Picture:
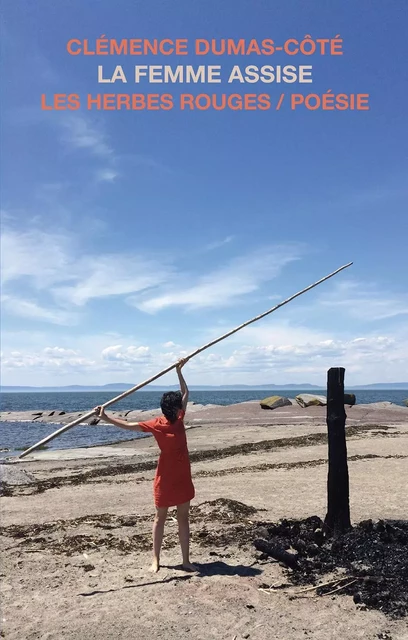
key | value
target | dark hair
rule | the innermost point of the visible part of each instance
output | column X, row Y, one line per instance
column 170, row 404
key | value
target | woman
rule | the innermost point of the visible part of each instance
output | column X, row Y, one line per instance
column 172, row 485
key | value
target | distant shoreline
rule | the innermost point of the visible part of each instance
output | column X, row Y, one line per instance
column 396, row 386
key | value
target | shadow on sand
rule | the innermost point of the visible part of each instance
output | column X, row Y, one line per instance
column 204, row 569
column 219, row 568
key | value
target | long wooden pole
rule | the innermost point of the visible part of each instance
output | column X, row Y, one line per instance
column 173, row 366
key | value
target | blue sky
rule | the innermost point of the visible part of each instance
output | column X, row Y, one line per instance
column 131, row 238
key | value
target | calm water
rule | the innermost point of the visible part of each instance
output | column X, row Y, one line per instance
column 19, row 435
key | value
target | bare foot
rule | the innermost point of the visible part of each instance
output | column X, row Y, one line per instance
column 155, row 566
column 188, row 566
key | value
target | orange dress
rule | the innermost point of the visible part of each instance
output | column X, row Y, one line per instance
column 172, row 483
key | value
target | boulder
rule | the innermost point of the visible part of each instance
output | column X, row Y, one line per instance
column 309, row 400
column 349, row 399
column 406, row 402
column 273, row 402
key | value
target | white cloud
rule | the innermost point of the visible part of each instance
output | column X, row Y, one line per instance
column 285, row 358
column 226, row 285
column 60, row 352
column 131, row 354
column 366, row 359
column 52, row 360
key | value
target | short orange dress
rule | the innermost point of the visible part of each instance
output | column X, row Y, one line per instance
column 172, row 483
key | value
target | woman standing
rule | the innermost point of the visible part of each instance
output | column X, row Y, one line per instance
column 172, row 485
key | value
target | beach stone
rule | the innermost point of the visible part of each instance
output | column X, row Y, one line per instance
column 349, row 399
column 273, row 402
column 309, row 400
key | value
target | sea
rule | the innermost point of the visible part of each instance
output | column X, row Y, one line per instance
column 17, row 436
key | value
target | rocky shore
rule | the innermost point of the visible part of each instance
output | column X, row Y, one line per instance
column 211, row 413
column 76, row 528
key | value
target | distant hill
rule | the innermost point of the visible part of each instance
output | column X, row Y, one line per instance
column 122, row 386
column 388, row 386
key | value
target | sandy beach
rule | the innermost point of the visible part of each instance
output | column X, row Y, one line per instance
column 76, row 529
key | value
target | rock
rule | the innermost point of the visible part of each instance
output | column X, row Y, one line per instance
column 373, row 406
column 273, row 402
column 349, row 399
column 309, row 400
column 406, row 402
column 88, row 567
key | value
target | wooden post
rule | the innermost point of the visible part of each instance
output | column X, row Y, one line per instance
column 337, row 519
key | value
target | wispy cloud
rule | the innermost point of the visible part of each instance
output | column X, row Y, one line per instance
column 226, row 285
column 40, row 256
column 49, row 266
column 79, row 132
column 218, row 243
column 112, row 275
column 16, row 306
column 106, row 175
column 46, row 264
column 365, row 302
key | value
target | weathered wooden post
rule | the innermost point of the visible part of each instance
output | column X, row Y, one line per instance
column 337, row 519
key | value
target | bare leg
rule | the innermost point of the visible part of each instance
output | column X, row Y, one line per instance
column 184, row 535
column 158, row 530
